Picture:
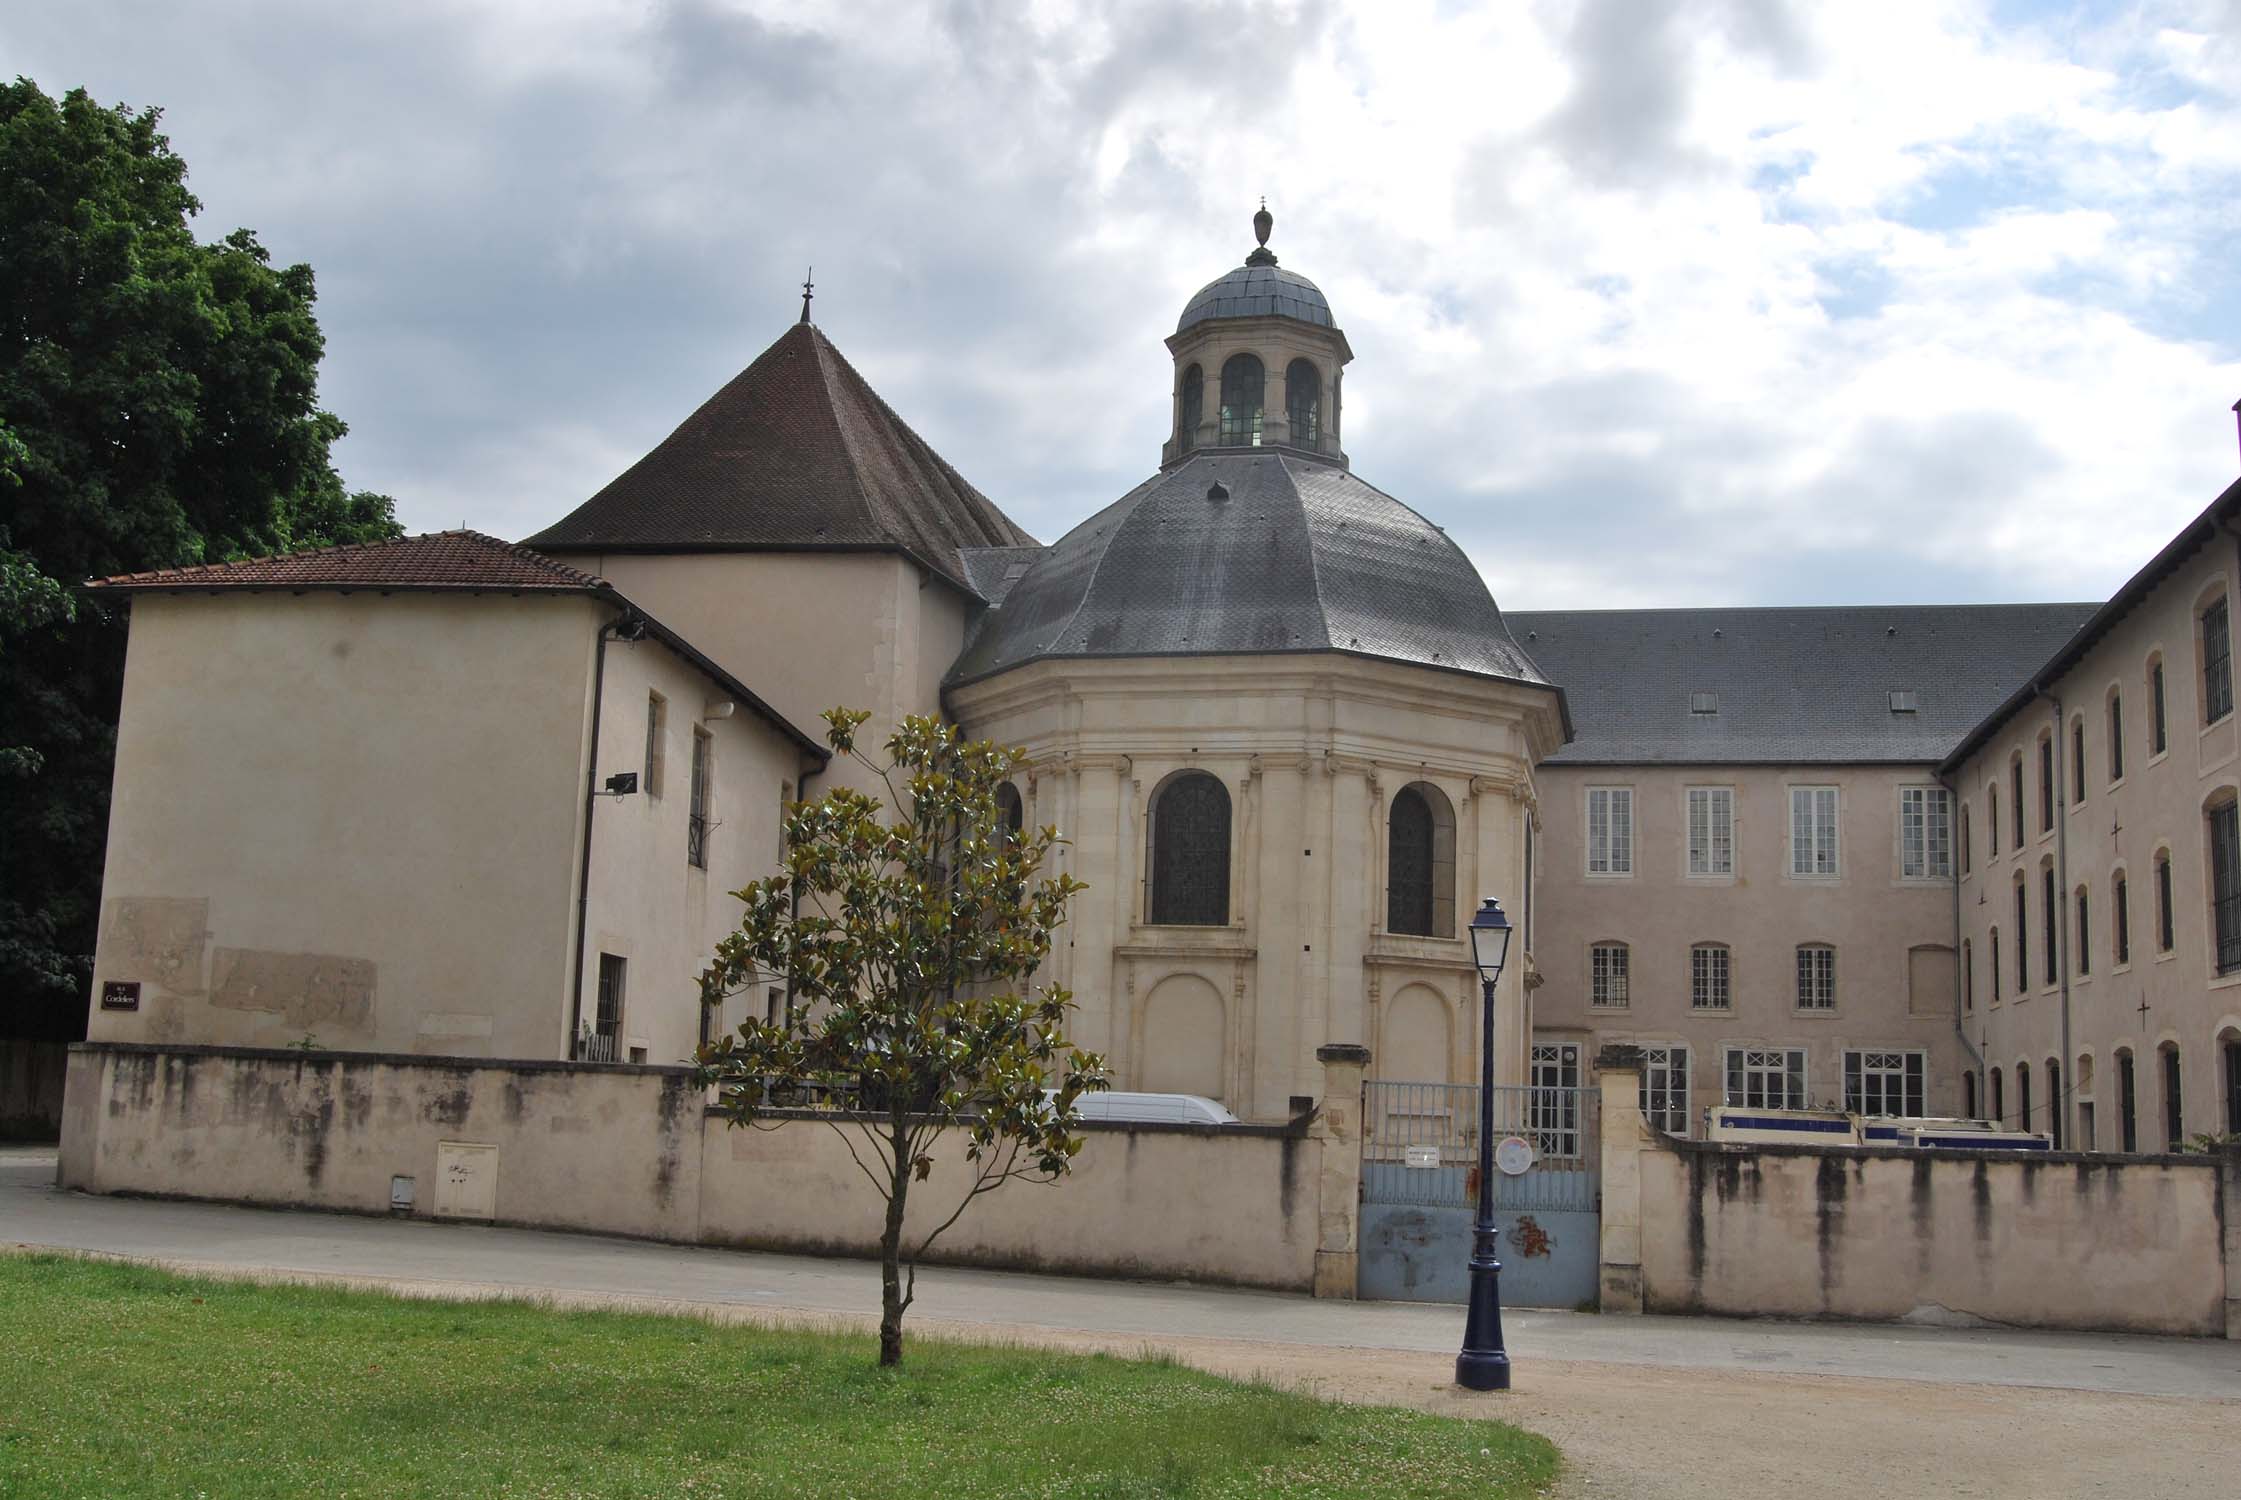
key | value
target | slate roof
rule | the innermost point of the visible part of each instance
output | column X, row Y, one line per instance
column 1299, row 556
column 454, row 562
column 796, row 453
column 1258, row 292
column 1794, row 686
column 437, row 560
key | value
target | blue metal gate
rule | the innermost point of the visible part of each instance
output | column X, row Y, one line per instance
column 1420, row 1193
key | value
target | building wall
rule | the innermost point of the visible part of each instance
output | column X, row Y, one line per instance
column 628, row 1150
column 1893, row 936
column 2157, row 1000
column 649, row 905
column 348, row 817
column 1312, row 751
column 808, row 630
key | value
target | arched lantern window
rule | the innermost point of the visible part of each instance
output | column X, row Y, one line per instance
column 1190, row 852
column 1244, row 385
column 1194, row 407
column 1303, row 402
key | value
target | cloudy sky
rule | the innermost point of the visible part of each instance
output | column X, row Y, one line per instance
column 1731, row 301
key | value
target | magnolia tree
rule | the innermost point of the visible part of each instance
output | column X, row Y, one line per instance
column 910, row 932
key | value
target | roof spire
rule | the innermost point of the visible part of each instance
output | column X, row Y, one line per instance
column 1263, row 222
column 808, row 290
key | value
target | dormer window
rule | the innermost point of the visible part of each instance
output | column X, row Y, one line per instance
column 1194, row 407
column 1905, row 701
column 1303, row 402
column 1244, row 385
column 1704, row 703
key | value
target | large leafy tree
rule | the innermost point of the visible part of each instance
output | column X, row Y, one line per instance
column 909, row 931
column 158, row 397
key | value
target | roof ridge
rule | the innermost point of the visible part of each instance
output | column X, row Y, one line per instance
column 819, row 347
column 1314, row 561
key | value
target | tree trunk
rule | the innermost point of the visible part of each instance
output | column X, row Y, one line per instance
column 891, row 1256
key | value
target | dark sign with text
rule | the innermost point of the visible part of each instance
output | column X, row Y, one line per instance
column 120, row 994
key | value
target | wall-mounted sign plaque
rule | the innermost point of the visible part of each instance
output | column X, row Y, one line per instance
column 120, row 994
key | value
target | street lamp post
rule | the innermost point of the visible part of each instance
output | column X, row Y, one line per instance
column 1484, row 1365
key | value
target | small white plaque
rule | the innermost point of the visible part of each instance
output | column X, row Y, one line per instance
column 1423, row 1156
column 1514, row 1156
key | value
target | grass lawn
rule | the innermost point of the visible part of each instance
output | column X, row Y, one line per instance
column 122, row 1381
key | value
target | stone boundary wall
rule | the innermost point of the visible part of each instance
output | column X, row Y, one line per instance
column 635, row 1150
column 2069, row 1240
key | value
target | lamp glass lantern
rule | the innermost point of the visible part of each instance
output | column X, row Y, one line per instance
column 1490, row 939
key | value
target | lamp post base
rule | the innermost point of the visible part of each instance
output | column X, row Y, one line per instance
column 1483, row 1372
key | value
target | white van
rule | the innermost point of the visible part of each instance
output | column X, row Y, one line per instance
column 1158, row 1109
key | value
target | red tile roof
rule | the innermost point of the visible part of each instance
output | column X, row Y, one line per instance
column 797, row 452
column 438, row 560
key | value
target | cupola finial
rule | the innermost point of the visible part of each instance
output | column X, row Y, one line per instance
column 1263, row 222
column 808, row 290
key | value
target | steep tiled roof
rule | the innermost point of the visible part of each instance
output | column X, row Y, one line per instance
column 1248, row 553
column 435, row 560
column 797, row 452
column 1791, row 685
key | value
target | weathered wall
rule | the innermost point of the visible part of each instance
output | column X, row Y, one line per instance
column 2062, row 1241
column 631, row 1150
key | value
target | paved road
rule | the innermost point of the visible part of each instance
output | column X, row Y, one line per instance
column 33, row 1212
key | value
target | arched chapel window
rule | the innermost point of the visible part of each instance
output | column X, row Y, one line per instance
column 1194, row 406
column 1303, row 402
column 1190, row 852
column 1420, row 863
column 1011, row 811
column 1244, row 386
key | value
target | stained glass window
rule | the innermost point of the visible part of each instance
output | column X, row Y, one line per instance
column 1190, row 852
column 1408, row 904
column 1244, row 386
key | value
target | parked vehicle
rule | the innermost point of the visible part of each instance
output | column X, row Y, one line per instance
column 1153, row 1109
column 1834, row 1127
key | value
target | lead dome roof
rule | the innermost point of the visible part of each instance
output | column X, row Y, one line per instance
column 1299, row 556
column 1258, row 291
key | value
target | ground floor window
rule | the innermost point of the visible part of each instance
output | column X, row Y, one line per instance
column 2174, row 1111
column 1553, row 1106
column 1766, row 1077
column 1665, row 1088
column 2128, row 1104
column 1884, row 1083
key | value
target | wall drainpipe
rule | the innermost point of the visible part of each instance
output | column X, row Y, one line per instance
column 801, row 794
column 626, row 628
column 1960, row 974
column 2062, row 916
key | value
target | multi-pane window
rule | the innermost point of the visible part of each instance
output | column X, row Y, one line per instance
column 1190, row 852
column 1244, row 387
column 1608, row 966
column 2164, row 937
column 1303, row 402
column 1884, row 1083
column 2084, row 934
column 2050, row 937
column 1766, row 1077
column 1610, row 830
column 1665, row 1089
column 2217, row 664
column 657, row 721
column 1925, row 833
column 1711, row 830
column 2159, row 721
column 2015, row 790
column 696, row 820
column 2225, row 884
column 2046, row 785
column 2128, row 1104
column 1553, row 1105
column 1194, row 407
column 2174, row 1112
column 2121, row 916
column 1813, row 831
column 2077, row 760
column 1816, row 977
column 2116, row 736
column 1408, row 848
column 1708, row 977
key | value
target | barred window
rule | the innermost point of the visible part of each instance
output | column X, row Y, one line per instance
column 1608, row 971
column 696, row 820
column 1711, row 830
column 2159, row 723
column 1708, row 977
column 2217, row 664
column 1884, row 1083
column 2164, row 937
column 2116, row 736
column 1665, row 1089
column 2225, row 884
column 1553, row 1104
column 1816, row 977
column 1766, row 1078
column 1244, row 387
column 1303, row 402
column 1610, row 830
column 2084, row 933
column 1925, row 833
column 1813, row 831
column 2015, row 788
column 1194, row 407
column 1190, row 852
column 2121, row 915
